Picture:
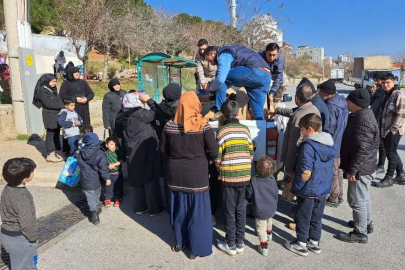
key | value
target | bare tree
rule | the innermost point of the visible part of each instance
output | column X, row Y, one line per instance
column 400, row 59
column 83, row 21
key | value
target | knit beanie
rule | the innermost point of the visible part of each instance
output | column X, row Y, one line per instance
column 306, row 81
column 360, row 97
column 328, row 87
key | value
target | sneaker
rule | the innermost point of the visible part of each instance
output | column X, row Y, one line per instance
column 400, row 179
column 332, row 203
column 223, row 246
column 292, row 226
column 117, row 203
column 58, row 154
column 52, row 158
column 140, row 212
column 380, row 170
column 314, row 247
column 340, row 200
column 152, row 215
column 386, row 182
column 95, row 218
column 353, row 237
column 107, row 203
column 269, row 235
column 263, row 249
column 240, row 248
column 370, row 227
column 295, row 247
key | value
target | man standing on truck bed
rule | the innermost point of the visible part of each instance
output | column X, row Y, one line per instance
column 205, row 71
column 275, row 60
column 239, row 66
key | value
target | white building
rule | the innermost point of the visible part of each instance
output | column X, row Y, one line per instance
column 315, row 55
column 265, row 30
column 344, row 58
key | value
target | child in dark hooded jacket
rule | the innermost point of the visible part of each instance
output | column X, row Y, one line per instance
column 93, row 166
column 311, row 184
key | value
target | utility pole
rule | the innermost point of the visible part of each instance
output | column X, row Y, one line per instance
column 233, row 13
column 11, row 17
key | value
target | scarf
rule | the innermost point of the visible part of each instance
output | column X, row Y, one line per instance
column 69, row 73
column 188, row 113
column 131, row 100
column 43, row 81
column 113, row 82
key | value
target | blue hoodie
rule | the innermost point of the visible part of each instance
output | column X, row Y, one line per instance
column 338, row 115
column 92, row 162
column 316, row 155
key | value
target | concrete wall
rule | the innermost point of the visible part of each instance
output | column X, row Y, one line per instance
column 7, row 120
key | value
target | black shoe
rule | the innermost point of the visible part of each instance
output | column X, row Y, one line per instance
column 95, row 219
column 332, row 204
column 386, row 182
column 380, row 169
column 353, row 237
column 340, row 200
column 400, row 179
column 370, row 227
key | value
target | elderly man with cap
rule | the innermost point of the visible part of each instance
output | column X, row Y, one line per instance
column 338, row 113
column 358, row 154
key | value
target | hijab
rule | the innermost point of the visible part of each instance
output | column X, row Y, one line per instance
column 43, row 81
column 69, row 73
column 172, row 92
column 131, row 100
column 113, row 82
column 188, row 113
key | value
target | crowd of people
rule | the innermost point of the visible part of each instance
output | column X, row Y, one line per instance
column 327, row 138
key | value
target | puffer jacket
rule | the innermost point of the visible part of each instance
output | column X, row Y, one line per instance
column 338, row 113
column 316, row 155
column 93, row 166
column 360, row 142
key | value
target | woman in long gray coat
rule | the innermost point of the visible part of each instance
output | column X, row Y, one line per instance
column 112, row 104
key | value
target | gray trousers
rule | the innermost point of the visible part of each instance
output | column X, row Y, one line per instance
column 262, row 226
column 93, row 198
column 23, row 255
column 359, row 200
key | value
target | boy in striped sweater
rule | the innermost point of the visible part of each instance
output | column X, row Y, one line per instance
column 234, row 163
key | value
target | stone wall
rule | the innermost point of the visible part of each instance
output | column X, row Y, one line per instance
column 7, row 120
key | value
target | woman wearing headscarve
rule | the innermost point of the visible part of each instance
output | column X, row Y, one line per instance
column 78, row 90
column 46, row 97
column 189, row 142
column 142, row 149
column 112, row 104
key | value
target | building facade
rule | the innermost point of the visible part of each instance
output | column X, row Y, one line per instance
column 315, row 55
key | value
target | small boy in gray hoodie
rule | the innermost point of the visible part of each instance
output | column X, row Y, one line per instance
column 70, row 121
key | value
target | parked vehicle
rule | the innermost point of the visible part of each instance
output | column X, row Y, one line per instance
column 337, row 74
column 365, row 67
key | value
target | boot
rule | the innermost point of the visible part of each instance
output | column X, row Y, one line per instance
column 386, row 182
column 95, row 218
column 52, row 158
column 400, row 179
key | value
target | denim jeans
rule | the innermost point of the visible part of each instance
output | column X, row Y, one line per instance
column 256, row 83
column 114, row 191
column 73, row 143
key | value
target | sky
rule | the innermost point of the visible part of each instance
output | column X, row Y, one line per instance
column 358, row 27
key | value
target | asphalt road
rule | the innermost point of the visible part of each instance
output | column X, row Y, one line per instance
column 126, row 241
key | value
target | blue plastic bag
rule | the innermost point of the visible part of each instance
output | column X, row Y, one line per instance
column 70, row 174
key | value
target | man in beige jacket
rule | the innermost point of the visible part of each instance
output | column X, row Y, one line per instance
column 205, row 72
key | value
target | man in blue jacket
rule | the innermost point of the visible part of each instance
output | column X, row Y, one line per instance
column 311, row 184
column 275, row 60
column 239, row 66
column 338, row 114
